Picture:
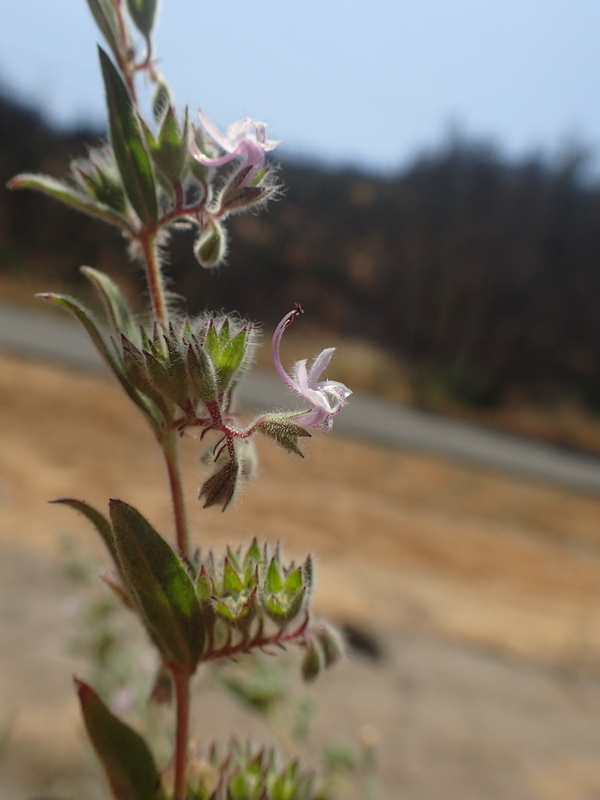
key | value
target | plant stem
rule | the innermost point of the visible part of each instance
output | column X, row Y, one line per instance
column 154, row 276
column 182, row 702
column 170, row 451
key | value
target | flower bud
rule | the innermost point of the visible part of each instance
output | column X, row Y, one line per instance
column 311, row 663
column 210, row 248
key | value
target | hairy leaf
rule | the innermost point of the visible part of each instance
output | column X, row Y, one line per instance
column 67, row 194
column 124, row 755
column 129, row 144
column 143, row 14
column 161, row 586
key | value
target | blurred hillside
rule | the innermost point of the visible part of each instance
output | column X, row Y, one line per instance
column 482, row 277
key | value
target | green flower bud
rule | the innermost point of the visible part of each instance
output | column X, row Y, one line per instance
column 210, row 247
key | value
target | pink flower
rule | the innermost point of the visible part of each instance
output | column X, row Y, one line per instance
column 244, row 138
column 325, row 397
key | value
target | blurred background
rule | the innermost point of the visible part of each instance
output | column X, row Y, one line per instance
column 442, row 185
column 441, row 227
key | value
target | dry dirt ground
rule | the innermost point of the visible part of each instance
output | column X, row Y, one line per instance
column 482, row 590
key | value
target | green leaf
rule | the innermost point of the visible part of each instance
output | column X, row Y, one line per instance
column 124, row 755
column 98, row 520
column 129, row 144
column 117, row 308
column 106, row 18
column 160, row 583
column 67, row 194
column 93, row 329
column 143, row 14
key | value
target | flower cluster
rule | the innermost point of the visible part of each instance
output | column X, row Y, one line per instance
column 246, row 772
column 211, row 609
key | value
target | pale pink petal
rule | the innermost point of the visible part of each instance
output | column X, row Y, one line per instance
column 325, row 397
column 214, row 133
column 320, row 363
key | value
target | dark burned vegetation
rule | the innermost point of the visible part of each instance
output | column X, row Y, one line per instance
column 482, row 276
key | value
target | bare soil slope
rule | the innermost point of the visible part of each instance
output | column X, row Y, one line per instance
column 483, row 590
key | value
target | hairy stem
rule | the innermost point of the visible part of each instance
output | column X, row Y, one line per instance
column 182, row 709
column 171, row 455
column 154, row 277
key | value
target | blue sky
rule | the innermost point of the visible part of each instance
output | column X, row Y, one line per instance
column 364, row 82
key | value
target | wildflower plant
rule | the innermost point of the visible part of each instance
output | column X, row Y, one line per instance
column 182, row 373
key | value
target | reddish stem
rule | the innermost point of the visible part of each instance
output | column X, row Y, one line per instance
column 169, row 448
column 260, row 641
column 181, row 684
column 154, row 277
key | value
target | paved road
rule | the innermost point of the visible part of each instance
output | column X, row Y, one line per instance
column 52, row 338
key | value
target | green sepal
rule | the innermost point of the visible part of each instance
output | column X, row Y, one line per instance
column 125, row 757
column 65, row 193
column 204, row 585
column 281, row 427
column 143, row 14
column 273, row 579
column 161, row 586
column 177, row 367
column 233, row 558
column 106, row 19
column 282, row 609
column 232, row 583
column 253, row 556
column 244, row 197
column 170, row 149
column 237, row 195
column 116, row 306
column 293, row 582
column 205, row 590
column 227, row 353
column 239, row 611
column 129, row 144
column 165, row 381
column 201, row 373
column 98, row 520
